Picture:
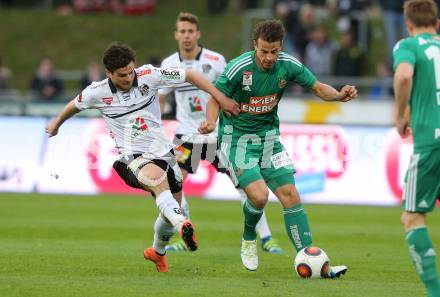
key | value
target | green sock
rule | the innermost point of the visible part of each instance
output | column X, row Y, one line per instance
column 252, row 216
column 423, row 256
column 297, row 226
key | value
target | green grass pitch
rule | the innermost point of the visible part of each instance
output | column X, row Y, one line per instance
column 54, row 245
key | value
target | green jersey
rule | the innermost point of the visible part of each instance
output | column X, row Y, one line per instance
column 423, row 53
column 258, row 92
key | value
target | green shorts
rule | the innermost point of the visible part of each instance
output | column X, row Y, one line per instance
column 422, row 182
column 250, row 158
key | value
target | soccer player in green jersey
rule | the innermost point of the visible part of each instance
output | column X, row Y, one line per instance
column 250, row 142
column 417, row 92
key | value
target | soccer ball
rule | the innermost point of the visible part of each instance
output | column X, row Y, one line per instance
column 312, row 262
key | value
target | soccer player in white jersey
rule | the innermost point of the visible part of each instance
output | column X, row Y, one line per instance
column 129, row 104
column 191, row 146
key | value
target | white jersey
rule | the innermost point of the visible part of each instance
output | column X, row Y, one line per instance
column 133, row 117
column 191, row 102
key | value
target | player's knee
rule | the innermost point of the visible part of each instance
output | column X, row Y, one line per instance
column 259, row 198
column 289, row 193
column 412, row 220
column 153, row 180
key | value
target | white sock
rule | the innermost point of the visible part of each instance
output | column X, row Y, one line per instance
column 163, row 231
column 262, row 227
column 184, row 206
column 169, row 208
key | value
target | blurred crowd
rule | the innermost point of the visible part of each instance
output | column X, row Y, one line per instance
column 338, row 50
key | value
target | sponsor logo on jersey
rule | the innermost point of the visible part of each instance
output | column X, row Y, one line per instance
column 194, row 104
column 171, row 74
column 247, row 78
column 107, row 100
column 143, row 89
column 144, row 72
column 211, row 57
column 206, row 68
column 246, row 88
column 259, row 105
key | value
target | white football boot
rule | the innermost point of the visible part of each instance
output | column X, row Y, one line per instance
column 249, row 256
column 337, row 271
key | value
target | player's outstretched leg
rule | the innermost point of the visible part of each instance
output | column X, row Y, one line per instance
column 179, row 245
column 424, row 258
column 159, row 259
column 163, row 231
column 249, row 256
column 188, row 235
column 268, row 243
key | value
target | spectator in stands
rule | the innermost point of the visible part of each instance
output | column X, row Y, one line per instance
column 348, row 58
column 137, row 7
column 217, row 6
column 85, row 6
column 394, row 22
column 5, row 75
column 299, row 19
column 6, row 3
column 93, row 73
column 383, row 88
column 45, row 84
column 319, row 52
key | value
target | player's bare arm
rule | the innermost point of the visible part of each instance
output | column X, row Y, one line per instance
column 403, row 80
column 69, row 110
column 227, row 104
column 212, row 111
column 328, row 93
column 162, row 101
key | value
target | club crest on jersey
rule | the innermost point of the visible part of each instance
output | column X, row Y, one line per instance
column 195, row 104
column 107, row 100
column 206, row 68
column 282, row 83
column 139, row 124
column 247, row 78
column 143, row 89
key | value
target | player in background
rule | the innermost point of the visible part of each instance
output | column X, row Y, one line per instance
column 191, row 146
column 417, row 93
column 129, row 104
column 250, row 142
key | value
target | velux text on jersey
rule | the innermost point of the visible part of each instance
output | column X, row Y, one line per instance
column 259, row 105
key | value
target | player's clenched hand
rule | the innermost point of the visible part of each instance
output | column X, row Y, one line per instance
column 402, row 126
column 229, row 106
column 347, row 93
column 52, row 128
column 206, row 127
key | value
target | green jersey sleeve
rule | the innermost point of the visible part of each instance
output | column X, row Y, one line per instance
column 227, row 82
column 403, row 53
column 226, row 85
column 297, row 72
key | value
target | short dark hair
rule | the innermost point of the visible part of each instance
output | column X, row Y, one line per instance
column 269, row 30
column 117, row 56
column 422, row 13
column 188, row 17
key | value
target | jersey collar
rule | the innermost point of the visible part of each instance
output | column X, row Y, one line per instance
column 197, row 57
column 113, row 88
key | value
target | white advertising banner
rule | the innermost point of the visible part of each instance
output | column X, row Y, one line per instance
column 335, row 164
column 20, row 153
